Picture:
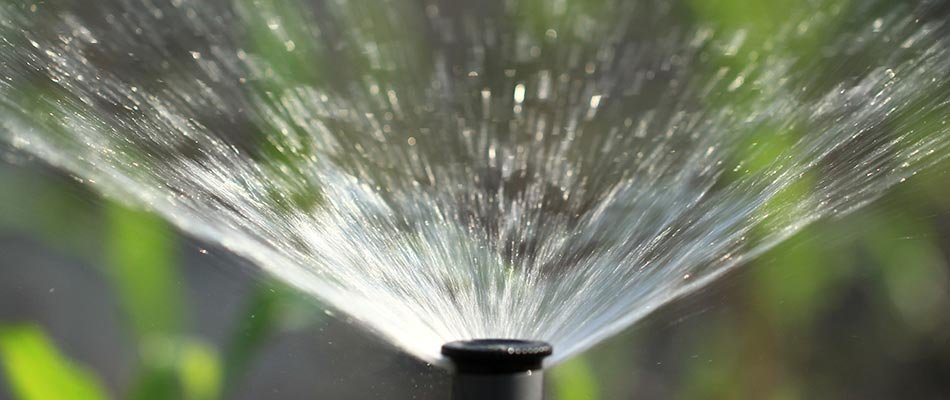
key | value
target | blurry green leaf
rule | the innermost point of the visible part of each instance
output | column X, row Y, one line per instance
column 619, row 362
column 157, row 377
column 49, row 207
column 271, row 307
column 757, row 31
column 764, row 157
column 918, row 120
column 714, row 369
column 575, row 380
column 795, row 281
column 258, row 322
column 763, row 19
column 36, row 371
column 177, row 368
column 155, row 383
column 262, row 315
column 279, row 33
column 766, row 23
column 141, row 250
column 762, row 150
column 913, row 269
column 200, row 371
column 786, row 391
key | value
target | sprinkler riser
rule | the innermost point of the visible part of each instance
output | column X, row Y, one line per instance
column 517, row 386
column 497, row 369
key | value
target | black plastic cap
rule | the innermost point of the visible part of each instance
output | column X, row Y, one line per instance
column 496, row 356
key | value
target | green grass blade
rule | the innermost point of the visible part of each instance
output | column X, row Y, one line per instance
column 141, row 251
column 35, row 369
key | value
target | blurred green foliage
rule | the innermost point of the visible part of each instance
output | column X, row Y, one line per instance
column 141, row 257
column 200, row 372
column 142, row 263
column 37, row 371
column 575, row 380
column 258, row 320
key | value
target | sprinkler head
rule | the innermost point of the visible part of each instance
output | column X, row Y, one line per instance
column 496, row 356
column 499, row 369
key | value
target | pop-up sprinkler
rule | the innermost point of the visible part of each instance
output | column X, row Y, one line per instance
column 497, row 369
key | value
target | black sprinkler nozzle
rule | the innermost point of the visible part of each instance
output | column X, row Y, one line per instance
column 500, row 369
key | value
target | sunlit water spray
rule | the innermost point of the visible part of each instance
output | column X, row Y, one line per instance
column 453, row 170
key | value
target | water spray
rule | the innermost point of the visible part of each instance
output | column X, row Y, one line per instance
column 534, row 197
column 498, row 369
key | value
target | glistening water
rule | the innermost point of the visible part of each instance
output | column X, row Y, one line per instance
column 442, row 170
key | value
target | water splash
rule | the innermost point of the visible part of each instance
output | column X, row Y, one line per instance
column 444, row 170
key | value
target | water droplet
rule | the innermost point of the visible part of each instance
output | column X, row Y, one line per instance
column 519, row 93
column 595, row 101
